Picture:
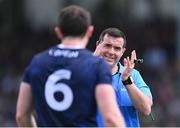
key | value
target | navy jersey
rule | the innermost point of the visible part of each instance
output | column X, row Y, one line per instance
column 63, row 85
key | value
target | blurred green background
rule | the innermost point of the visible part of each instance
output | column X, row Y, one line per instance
column 152, row 28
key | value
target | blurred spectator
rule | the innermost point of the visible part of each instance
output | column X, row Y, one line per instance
column 10, row 82
column 155, row 58
column 174, row 108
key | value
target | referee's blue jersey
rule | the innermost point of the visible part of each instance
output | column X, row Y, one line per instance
column 63, row 85
column 125, row 104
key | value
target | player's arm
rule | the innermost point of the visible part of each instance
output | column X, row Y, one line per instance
column 24, row 110
column 108, row 107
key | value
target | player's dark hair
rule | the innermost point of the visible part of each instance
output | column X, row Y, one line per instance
column 114, row 32
column 74, row 21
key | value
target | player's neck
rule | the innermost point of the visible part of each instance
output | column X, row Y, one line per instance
column 72, row 42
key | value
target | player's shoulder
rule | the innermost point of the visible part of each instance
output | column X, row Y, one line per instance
column 90, row 56
column 40, row 57
column 99, row 60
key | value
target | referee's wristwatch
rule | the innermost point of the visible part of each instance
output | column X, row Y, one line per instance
column 128, row 81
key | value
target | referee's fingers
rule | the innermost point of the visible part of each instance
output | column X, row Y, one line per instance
column 133, row 55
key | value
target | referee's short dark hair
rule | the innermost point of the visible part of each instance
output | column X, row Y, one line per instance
column 114, row 32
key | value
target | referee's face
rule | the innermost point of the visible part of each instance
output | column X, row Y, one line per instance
column 111, row 49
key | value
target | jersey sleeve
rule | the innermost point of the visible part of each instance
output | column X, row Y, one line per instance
column 26, row 76
column 138, row 80
column 104, row 73
column 28, row 72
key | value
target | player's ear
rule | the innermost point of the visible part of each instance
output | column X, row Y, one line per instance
column 89, row 31
column 58, row 32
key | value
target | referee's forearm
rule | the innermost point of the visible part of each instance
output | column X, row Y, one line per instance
column 141, row 102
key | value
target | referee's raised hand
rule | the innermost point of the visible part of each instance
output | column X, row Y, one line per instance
column 129, row 65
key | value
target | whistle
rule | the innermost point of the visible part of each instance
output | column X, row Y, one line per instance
column 138, row 61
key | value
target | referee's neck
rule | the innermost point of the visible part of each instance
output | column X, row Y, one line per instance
column 115, row 69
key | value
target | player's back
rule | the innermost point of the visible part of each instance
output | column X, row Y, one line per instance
column 63, row 85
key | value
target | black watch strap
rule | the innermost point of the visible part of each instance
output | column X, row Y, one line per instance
column 129, row 81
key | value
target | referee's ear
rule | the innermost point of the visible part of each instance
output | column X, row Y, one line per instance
column 97, row 43
column 58, row 32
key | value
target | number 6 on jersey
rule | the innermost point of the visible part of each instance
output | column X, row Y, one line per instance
column 51, row 87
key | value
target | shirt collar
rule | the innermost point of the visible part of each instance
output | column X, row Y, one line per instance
column 121, row 68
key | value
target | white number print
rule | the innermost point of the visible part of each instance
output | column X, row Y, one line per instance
column 51, row 87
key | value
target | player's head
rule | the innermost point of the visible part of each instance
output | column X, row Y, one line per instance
column 111, row 45
column 74, row 21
